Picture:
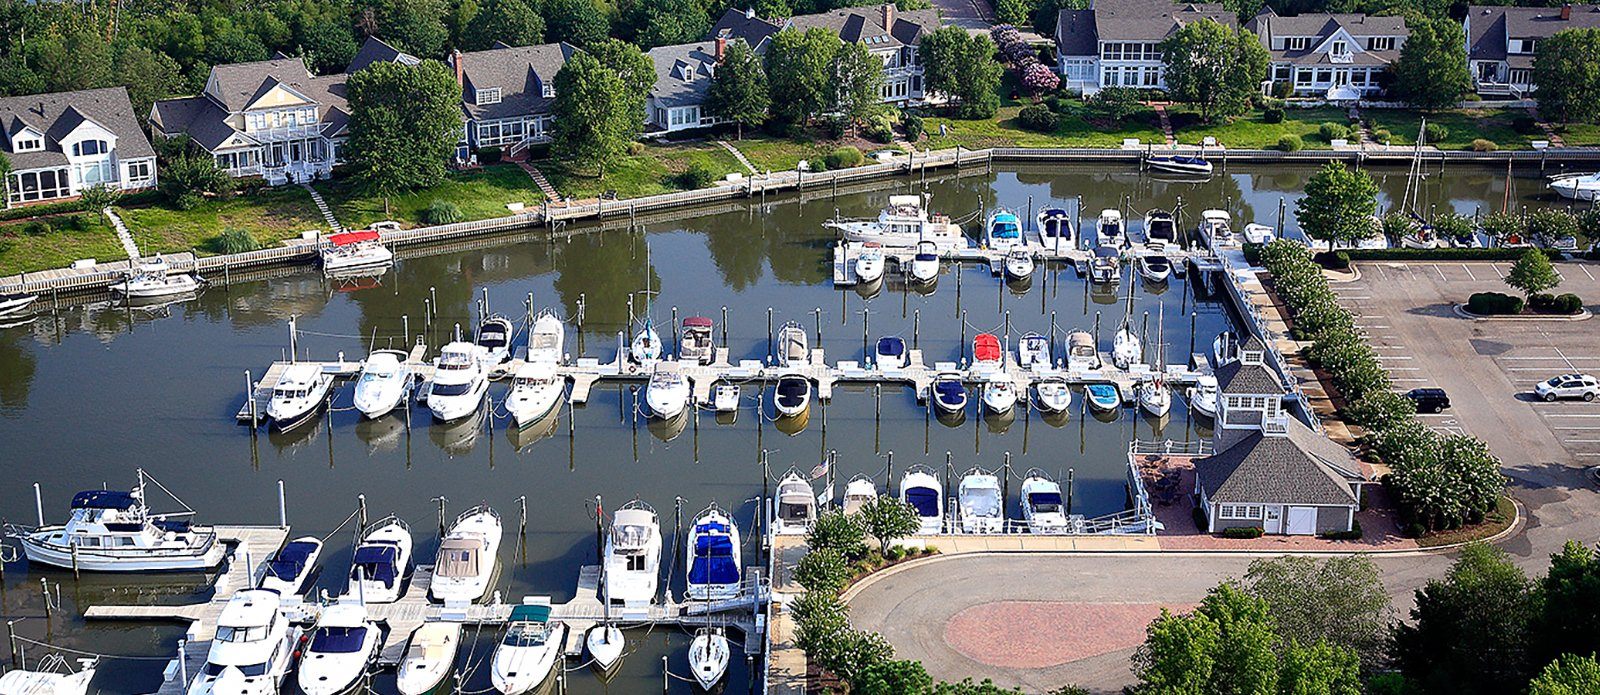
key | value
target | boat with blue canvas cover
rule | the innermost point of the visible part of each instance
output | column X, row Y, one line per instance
column 1003, row 230
column 921, row 489
column 1104, row 397
column 343, row 645
column 949, row 394
column 291, row 568
column 1181, row 164
column 1055, row 228
column 378, row 570
column 891, row 352
column 714, row 568
column 115, row 531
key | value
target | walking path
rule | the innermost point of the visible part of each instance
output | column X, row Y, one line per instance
column 1549, row 130
column 322, row 206
column 738, row 155
column 1166, row 124
column 539, row 180
column 123, row 235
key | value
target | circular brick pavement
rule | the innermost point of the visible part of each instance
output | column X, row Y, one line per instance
column 1041, row 634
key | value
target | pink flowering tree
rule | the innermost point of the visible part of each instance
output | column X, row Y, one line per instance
column 1039, row 78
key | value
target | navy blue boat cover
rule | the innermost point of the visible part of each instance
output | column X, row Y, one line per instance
column 103, row 499
column 924, row 500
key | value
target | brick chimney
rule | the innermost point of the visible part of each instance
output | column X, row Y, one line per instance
column 722, row 48
column 455, row 57
column 1566, row 11
column 888, row 16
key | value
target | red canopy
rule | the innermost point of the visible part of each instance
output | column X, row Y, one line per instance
column 348, row 238
column 697, row 322
column 986, row 348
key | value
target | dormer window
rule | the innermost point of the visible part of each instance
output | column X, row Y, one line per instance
column 1297, row 43
column 1339, row 48
column 487, row 96
column 27, row 143
column 1380, row 43
column 549, row 91
column 1520, row 46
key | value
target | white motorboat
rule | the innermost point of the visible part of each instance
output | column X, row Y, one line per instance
column 1082, row 354
column 632, row 555
column 1180, row 164
column 604, row 642
column 858, row 492
column 291, row 568
column 709, row 654
column 494, row 340
column 529, row 652
column 154, row 279
column 1055, row 228
column 16, row 303
column 869, row 262
column 1053, row 395
column 1155, row 268
column 920, row 489
column 1041, row 503
column 646, row 345
column 925, row 263
column 460, row 382
column 890, row 353
column 1019, row 263
column 697, row 344
column 987, row 355
column 1422, row 237
column 298, row 396
column 1110, row 230
column 1105, row 266
column 1216, row 229
column 793, row 347
column 725, row 397
column 792, row 395
column 667, row 394
column 535, row 391
column 714, row 566
column 378, row 569
column 980, row 502
column 797, row 505
column 1224, row 349
column 1160, row 231
column 114, row 531
column 1154, row 397
column 1002, row 231
column 1583, row 187
column 430, row 657
column 385, row 383
column 1258, row 233
column 999, row 394
column 53, row 677
column 546, row 339
column 902, row 223
column 1126, row 350
column 343, row 645
column 468, row 556
column 949, row 394
column 1203, row 396
column 1033, row 352
column 350, row 252
column 253, row 649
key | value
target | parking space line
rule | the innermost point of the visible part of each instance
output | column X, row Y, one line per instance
column 1409, row 381
column 1564, row 357
column 1441, row 273
column 1559, row 356
column 1575, row 427
column 1586, row 271
column 1404, row 369
column 1583, row 454
column 1469, row 272
column 1563, row 414
column 1496, row 267
column 1585, row 441
column 1396, row 357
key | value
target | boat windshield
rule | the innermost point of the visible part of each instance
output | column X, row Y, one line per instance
column 338, row 640
column 241, row 634
column 451, row 389
column 248, row 671
column 630, row 536
column 1006, row 228
column 924, row 500
column 527, row 635
column 1045, row 502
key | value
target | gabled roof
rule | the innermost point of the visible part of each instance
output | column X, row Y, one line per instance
column 1152, row 20
column 1239, row 378
column 1297, row 467
column 518, row 71
column 1268, row 25
column 239, row 84
column 1075, row 33
column 234, row 87
column 57, row 114
column 865, row 25
column 683, row 72
column 745, row 25
column 375, row 50
column 1489, row 27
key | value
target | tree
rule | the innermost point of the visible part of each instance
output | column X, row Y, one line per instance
column 1532, row 273
column 1245, row 660
column 579, row 22
column 797, row 73
column 636, row 72
column 1011, row 11
column 415, row 26
column 512, row 22
column 838, row 531
column 1499, row 225
column 1338, row 205
column 888, row 519
column 148, row 75
column 652, row 23
column 328, row 47
column 892, row 678
column 1565, row 68
column 961, row 66
column 1468, row 633
column 1340, row 601
column 1568, row 675
column 1568, row 619
column 1178, row 654
column 1380, row 409
column 189, row 173
column 856, row 81
column 1319, row 669
column 1431, row 73
column 405, row 121
column 1214, row 67
column 593, row 113
column 738, row 90
column 823, row 570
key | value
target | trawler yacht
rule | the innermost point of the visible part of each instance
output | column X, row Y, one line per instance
column 253, row 649
column 114, row 531
column 902, row 223
column 632, row 554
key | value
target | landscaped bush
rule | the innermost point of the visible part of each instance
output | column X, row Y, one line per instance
column 1243, row 532
column 234, row 240
column 1525, row 124
column 36, row 228
column 1272, row 114
column 18, row 213
column 1568, row 304
column 1114, row 104
column 1494, row 304
column 490, row 155
column 444, row 212
column 1038, row 118
column 879, row 128
column 1484, row 145
column 1290, row 143
column 1551, row 223
column 1354, row 534
column 844, row 158
column 912, row 124
column 1333, row 131
column 1252, row 253
column 1435, row 133
column 698, row 175
column 1333, row 260
column 635, row 148
column 1382, row 135
column 1439, row 254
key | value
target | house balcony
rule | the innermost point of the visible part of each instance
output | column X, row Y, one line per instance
column 296, row 132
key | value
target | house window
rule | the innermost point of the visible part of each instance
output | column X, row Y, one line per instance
column 549, row 91
column 1297, row 43
column 1339, row 47
column 1324, row 76
column 1358, row 78
column 1282, row 73
column 28, row 144
column 1152, row 77
column 490, row 95
column 1380, row 43
column 39, row 185
column 89, row 148
column 1520, row 46
column 1520, row 76
column 139, row 173
column 1239, row 511
column 1302, row 78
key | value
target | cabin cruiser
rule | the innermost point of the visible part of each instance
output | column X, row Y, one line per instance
column 1576, row 186
column 714, row 568
column 290, row 570
column 903, row 222
column 468, row 556
column 1019, row 264
column 1105, row 266
column 697, row 344
column 154, row 279
column 51, row 678
column 1000, row 394
column 1126, row 350
column 797, row 506
column 986, row 352
column 1180, row 164
column 15, row 303
column 920, row 489
column 343, row 645
column 530, row 651
column 381, row 562
column 384, row 384
column 1055, row 227
column 925, row 264
column 494, row 340
column 1154, row 397
column 869, row 262
column 1053, row 395
column 632, row 554
column 1216, row 229
column 1041, row 503
column 792, row 345
column 891, row 353
column 979, row 501
column 300, row 392
column 949, row 394
column 1103, row 397
column 535, row 391
column 357, row 251
column 1155, row 268
column 1160, row 231
column 667, row 394
column 1003, row 230
column 725, row 397
column 858, row 492
column 430, row 657
column 459, row 382
column 1110, row 230
column 253, row 649
column 1082, row 354
column 1033, row 352
column 114, row 531
column 546, row 339
column 1203, row 396
column 709, row 654
column 1258, row 233
column 792, row 395
column 646, row 345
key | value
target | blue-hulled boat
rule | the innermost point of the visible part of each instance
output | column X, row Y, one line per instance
column 1104, row 397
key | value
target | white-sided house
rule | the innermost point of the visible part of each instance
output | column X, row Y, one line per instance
column 1268, row 469
column 507, row 94
column 1116, row 43
column 1333, row 56
column 1501, row 40
column 683, row 79
column 888, row 33
column 62, row 143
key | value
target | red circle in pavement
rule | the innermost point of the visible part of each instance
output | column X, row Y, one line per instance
column 1041, row 634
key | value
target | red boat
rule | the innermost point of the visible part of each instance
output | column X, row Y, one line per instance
column 986, row 349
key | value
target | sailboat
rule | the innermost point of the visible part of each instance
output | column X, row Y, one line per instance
column 1154, row 397
column 1126, row 350
column 604, row 641
column 713, row 573
column 709, row 654
column 1421, row 235
column 646, row 345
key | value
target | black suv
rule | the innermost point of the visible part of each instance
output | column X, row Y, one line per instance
column 1429, row 400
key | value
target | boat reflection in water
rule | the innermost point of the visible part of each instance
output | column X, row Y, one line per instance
column 542, row 428
column 669, row 429
column 383, row 434
column 458, row 436
column 793, row 425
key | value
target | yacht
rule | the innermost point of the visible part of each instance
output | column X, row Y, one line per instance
column 1033, row 352
column 378, row 569
column 980, row 503
column 1155, row 268
column 253, row 649
column 152, row 278
column 384, row 384
column 858, row 492
column 793, row 349
column 1105, row 266
column 290, row 570
column 667, row 394
column 114, row 531
column 1019, row 264
column 632, row 555
column 1055, row 228
column 1082, row 354
column 797, row 505
column 869, row 262
column 530, row 651
column 949, row 394
column 890, row 354
column 725, row 397
column 646, row 345
column 546, row 339
column 357, row 251
column 459, row 382
column 920, row 489
column 925, row 264
column 1203, row 396
column 792, row 395
column 1126, row 349
column 494, row 340
column 1258, row 233
column 697, row 344
column 535, row 391
column 709, row 654
column 1053, row 395
column 1160, row 231
column 299, row 394
column 1576, row 186
column 1217, row 230
column 468, row 556
column 1002, row 231
column 16, row 303
column 430, row 657
column 343, row 645
column 1103, row 397
column 903, row 222
column 714, row 568
column 1154, row 397
column 1041, row 503
column 1000, row 394
column 52, row 678
column 1110, row 230
column 1180, row 164
column 986, row 352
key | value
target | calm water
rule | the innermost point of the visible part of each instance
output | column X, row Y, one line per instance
column 92, row 392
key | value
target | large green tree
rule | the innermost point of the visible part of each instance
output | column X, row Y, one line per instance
column 1338, row 205
column 593, row 114
column 961, row 65
column 1214, row 67
column 1340, row 600
column 1431, row 73
column 1533, row 273
column 1568, row 617
column 797, row 73
column 1468, row 632
column 652, row 23
column 1566, row 67
column 638, row 75
column 581, row 23
column 405, row 121
column 856, row 83
column 1319, row 669
column 739, row 88
column 512, row 22
column 1568, row 675
column 1228, row 645
column 415, row 26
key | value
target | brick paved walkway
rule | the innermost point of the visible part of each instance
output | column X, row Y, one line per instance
column 1041, row 634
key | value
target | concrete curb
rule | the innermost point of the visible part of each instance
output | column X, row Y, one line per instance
column 1461, row 310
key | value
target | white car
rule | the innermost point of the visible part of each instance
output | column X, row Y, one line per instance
column 1568, row 386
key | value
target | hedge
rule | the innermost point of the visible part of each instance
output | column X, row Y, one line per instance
column 1243, row 532
column 1494, row 304
column 1443, row 254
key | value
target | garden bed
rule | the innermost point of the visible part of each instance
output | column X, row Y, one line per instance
column 1495, row 522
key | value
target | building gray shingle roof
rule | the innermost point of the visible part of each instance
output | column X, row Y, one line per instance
column 866, row 25
column 1268, row 25
column 232, row 88
column 55, row 115
column 683, row 72
column 1239, row 378
column 519, row 72
column 1075, row 33
column 1489, row 27
column 744, row 25
column 1153, row 20
column 375, row 50
column 1297, row 467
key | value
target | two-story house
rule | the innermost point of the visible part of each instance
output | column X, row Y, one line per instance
column 1336, row 56
column 1501, row 41
column 683, row 79
column 1117, row 43
column 62, row 143
column 508, row 93
column 887, row 33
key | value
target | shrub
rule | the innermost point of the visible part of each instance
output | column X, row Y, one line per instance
column 1525, row 124
column 1252, row 253
column 880, row 129
column 912, row 124
column 1551, row 223
column 635, row 148
column 823, row 570
column 896, row 553
column 1484, row 145
column 1290, row 143
column 1243, row 532
column 844, row 158
column 834, row 127
column 1333, row 131
column 1037, row 117
column 235, row 240
column 1199, row 516
column 71, row 223
column 100, row 196
column 1435, row 133
column 1382, row 135
column 490, row 155
column 1354, row 534
column 1333, row 260
column 444, row 212
column 818, row 165
column 1568, row 304
column 36, row 228
column 698, row 175
column 1272, row 114
column 1114, row 104
column 1494, row 303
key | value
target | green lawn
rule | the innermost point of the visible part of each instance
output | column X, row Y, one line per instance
column 1252, row 133
column 655, row 170
column 22, row 252
column 783, row 154
column 1465, row 125
column 480, row 193
column 269, row 214
column 1073, row 130
column 1580, row 134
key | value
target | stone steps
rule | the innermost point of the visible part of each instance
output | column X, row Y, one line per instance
column 738, row 155
column 123, row 235
column 322, row 207
column 540, row 181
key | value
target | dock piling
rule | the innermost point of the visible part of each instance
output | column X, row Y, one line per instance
column 38, row 503
column 361, row 516
column 866, row 313
column 283, row 508
column 11, row 640
column 292, row 346
column 1069, row 490
column 522, row 518
column 441, row 500
column 250, row 398
column 724, row 326
column 818, row 312
column 183, row 660
column 916, row 328
column 770, row 351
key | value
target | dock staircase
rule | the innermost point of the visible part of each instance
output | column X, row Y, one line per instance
column 123, row 235
column 1166, row 125
column 322, row 207
column 539, row 181
column 738, row 155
